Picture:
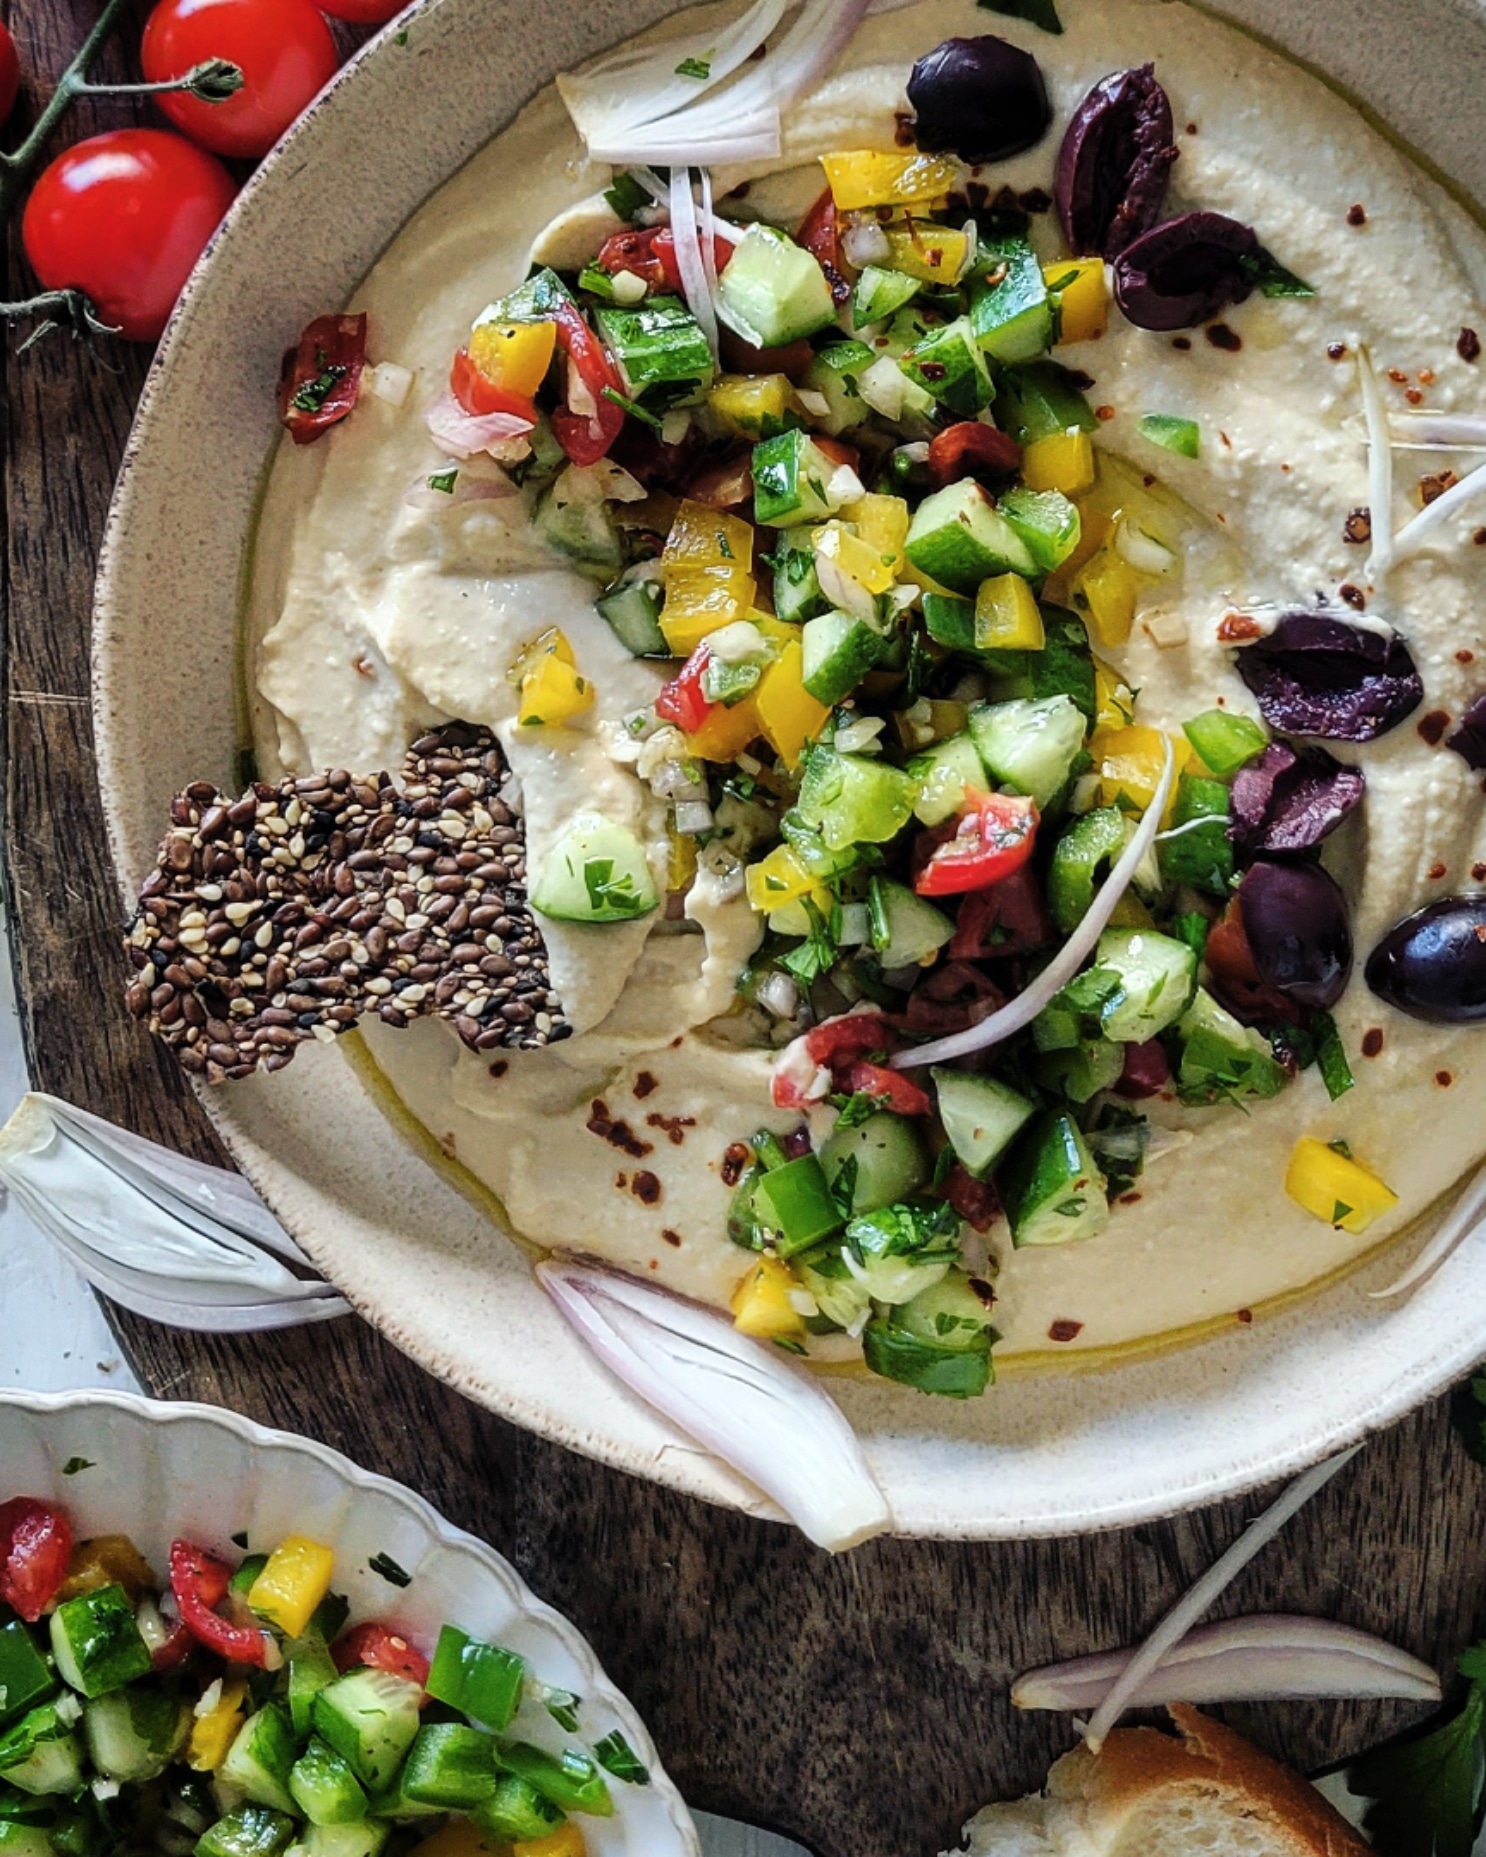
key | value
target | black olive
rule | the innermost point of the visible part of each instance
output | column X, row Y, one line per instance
column 1291, row 798
column 1185, row 270
column 1316, row 673
column 1432, row 965
column 1295, row 919
column 981, row 99
column 1114, row 163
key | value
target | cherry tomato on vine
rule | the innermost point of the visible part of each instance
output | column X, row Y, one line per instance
column 282, row 47
column 123, row 217
column 364, row 12
column 10, row 73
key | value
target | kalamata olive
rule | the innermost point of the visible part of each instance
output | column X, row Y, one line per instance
column 1291, row 798
column 1469, row 739
column 1147, row 1071
column 1295, row 920
column 1114, row 163
column 1184, row 270
column 1432, row 965
column 1317, row 673
column 981, row 99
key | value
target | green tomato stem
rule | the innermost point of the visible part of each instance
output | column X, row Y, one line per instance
column 213, row 81
column 59, row 309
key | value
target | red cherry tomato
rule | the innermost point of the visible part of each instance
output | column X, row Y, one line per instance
column 199, row 1582
column 586, row 436
column 35, row 1548
column 381, row 1648
column 282, row 47
column 364, row 12
column 682, row 700
column 123, row 217
column 976, row 1201
column 993, row 838
column 820, row 234
column 891, row 1088
column 10, row 73
column 479, row 395
column 837, row 1042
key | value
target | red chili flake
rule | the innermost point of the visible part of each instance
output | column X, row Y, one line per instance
column 1064, row 1329
column 618, row 1134
column 1443, row 1079
column 1287, row 467
column 675, row 1126
column 1336, row 351
column 1244, row 1315
column 1191, row 128
column 1238, row 629
column 1436, row 871
column 1397, row 376
column 1465, row 657
column 1221, row 336
column 1478, row 873
column 1228, row 446
column 1104, row 414
column 1354, row 596
column 1426, row 377
column 1357, row 215
column 646, row 1187
column 621, row 1182
column 1413, row 396
column 670, row 1237
column 735, row 1159
column 1130, row 1199
column 1183, row 342
column 1468, row 345
column 1358, row 526
column 677, row 1042
column 499, row 1067
column 1372, row 1041
column 903, row 127
column 1432, row 727
column 363, row 666
column 645, row 1085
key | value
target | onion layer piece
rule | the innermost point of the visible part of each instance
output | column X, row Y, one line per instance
column 1266, row 1658
column 1219, row 1576
column 461, row 435
column 1438, row 431
column 1059, row 971
column 766, row 1419
column 1379, row 467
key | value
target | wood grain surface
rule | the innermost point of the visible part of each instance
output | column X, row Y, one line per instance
column 859, row 1703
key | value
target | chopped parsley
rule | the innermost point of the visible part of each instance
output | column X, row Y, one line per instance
column 694, row 67
column 616, row 1756
column 444, row 480
column 1426, row 1791
column 562, row 1705
column 74, row 1464
column 852, row 1111
column 311, row 397
column 632, row 407
column 1331, row 1056
column 605, row 890
column 1339, row 1211
column 626, row 196
column 388, row 1569
column 1041, row 13
column 1270, row 278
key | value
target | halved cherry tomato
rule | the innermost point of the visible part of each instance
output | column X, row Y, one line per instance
column 820, row 234
column 651, row 255
column 970, row 449
column 364, row 12
column 35, row 1552
column 479, row 395
column 835, row 1042
column 683, row 700
column 10, row 73
column 282, row 47
column 1010, row 917
column 200, row 1581
column 586, row 437
column 994, row 837
column 320, row 380
column 891, row 1088
column 381, row 1648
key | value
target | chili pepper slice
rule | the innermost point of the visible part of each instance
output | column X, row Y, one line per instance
column 200, row 1581
column 35, row 1552
column 320, row 380
column 994, row 837
column 682, row 700
column 586, row 437
column 380, row 1648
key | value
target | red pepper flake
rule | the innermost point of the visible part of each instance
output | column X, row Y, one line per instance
column 1478, row 873
column 671, row 1238
column 1357, row 215
column 1479, row 538
column 1183, row 342
column 1397, row 376
column 1243, row 1315
column 1238, row 629
column 1425, row 377
column 1064, row 1329
column 646, row 1187
column 1336, row 351
column 1465, row 657
column 1468, row 345
column 677, row 1042
column 1413, row 396
column 1432, row 727
column 621, row 1183
column 645, row 1085
column 1191, row 128
column 1358, row 526
column 363, row 666
column 618, row 1134
column 1372, row 1041
column 499, row 1068
column 1354, row 596
column 1104, row 414
column 1436, row 872
column 734, row 1161
column 1443, row 1079
column 903, row 127
column 1221, row 336
column 675, row 1126
column 1227, row 446
column 1130, row 1199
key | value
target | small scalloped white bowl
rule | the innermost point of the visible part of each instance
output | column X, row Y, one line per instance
column 158, row 1470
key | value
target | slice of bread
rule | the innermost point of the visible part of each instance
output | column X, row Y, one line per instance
column 1208, row 1793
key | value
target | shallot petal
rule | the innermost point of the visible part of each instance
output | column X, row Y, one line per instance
column 1379, row 467
column 1265, row 1658
column 689, row 258
column 461, row 435
column 768, row 1420
column 1438, row 431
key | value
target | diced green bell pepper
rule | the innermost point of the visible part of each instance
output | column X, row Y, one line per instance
column 482, row 1681
column 1226, row 742
column 1081, row 860
column 1203, row 854
column 794, row 1202
column 1037, row 399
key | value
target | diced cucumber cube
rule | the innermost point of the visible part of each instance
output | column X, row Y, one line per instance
column 250, row 1831
column 570, row 1780
column 875, row 1163
column 311, row 1667
column 881, row 293
column 324, row 1788
column 578, row 525
column 901, row 1249
column 905, row 931
column 262, row 1757
column 1226, row 742
column 1223, row 1061
column 450, row 1765
column 773, row 291
column 1203, row 854
column 134, row 1734
column 1011, row 313
column 791, row 481
column 837, row 653
column 370, row 1718
column 482, row 1681
column 632, row 608
column 660, row 348
column 981, row 1115
column 945, row 773
column 841, row 1299
column 517, row 1811
column 25, row 1675
column 596, row 872
column 947, row 363
column 41, row 1755
column 1157, row 978
column 939, row 1342
column 1052, row 1191
column 836, row 373
column 1037, row 399
column 536, row 300
column 1046, row 521
column 365, row 1839
column 97, row 1643
column 950, row 621
column 18, row 1839
column 959, row 538
column 794, row 1203
column 1029, row 745
column 797, row 594
column 1083, row 1069
column 852, row 799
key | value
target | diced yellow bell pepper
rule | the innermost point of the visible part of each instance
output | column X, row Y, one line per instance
column 106, row 1560
column 514, row 355
column 882, row 523
column 702, row 537
column 1129, row 762
column 1105, row 590
column 701, row 599
column 872, row 177
column 212, row 1734
column 1094, row 532
column 1006, row 616
column 1061, row 461
column 778, row 631
column 778, row 879
column 681, row 862
column 934, row 254
column 790, row 715
column 566, row 1841
column 1336, row 1189
column 461, row 1837
column 756, row 405
column 1083, row 299
column 857, row 559
column 553, row 691
column 761, row 1302
column 1114, row 700
column 295, row 1577
column 726, row 732
column 553, row 643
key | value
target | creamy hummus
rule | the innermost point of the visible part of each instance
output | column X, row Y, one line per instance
column 370, row 618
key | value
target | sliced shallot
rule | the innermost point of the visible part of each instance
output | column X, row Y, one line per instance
column 1462, row 1220
column 1439, row 431
column 689, row 258
column 1265, row 1658
column 461, row 435
column 1379, row 467
column 745, row 1402
column 1081, row 944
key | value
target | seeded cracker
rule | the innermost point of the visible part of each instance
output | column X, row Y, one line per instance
column 288, row 913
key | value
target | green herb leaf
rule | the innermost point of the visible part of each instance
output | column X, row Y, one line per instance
column 74, row 1464
column 389, row 1570
column 1331, row 1056
column 1343, row 1148
column 605, row 890
column 632, row 407
column 445, row 481
column 1339, row 1211
column 626, row 196
column 616, row 1756
column 1172, row 433
column 311, row 397
column 1426, row 1792
column 694, row 67
column 852, row 1111
column 240, row 1539
column 562, row 1705
column 844, row 1186
column 1271, row 279
column 1192, row 928
column 1041, row 13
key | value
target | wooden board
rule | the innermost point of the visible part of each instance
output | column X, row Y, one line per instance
column 860, row 1703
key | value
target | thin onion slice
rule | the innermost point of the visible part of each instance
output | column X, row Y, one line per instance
column 707, row 221
column 1272, row 1657
column 1060, row 970
column 766, row 1419
column 1462, row 1221
column 1439, row 431
column 1187, row 1610
column 461, row 435
column 1420, row 527
column 689, row 260
column 1379, row 467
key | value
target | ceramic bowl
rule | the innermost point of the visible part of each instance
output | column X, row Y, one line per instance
column 157, row 1470
column 1044, row 1454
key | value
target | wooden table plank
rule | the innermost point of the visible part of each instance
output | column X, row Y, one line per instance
column 858, row 1703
